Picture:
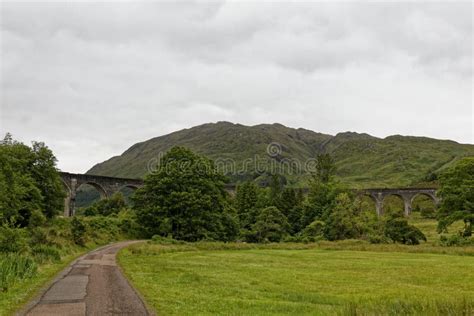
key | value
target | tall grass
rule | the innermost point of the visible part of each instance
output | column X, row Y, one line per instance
column 14, row 267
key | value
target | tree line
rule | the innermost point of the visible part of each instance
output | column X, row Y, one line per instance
column 185, row 199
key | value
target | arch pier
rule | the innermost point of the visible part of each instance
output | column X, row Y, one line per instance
column 106, row 186
column 406, row 194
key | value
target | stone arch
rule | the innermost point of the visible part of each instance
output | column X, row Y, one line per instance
column 98, row 187
column 372, row 198
column 431, row 197
column 427, row 194
column 406, row 201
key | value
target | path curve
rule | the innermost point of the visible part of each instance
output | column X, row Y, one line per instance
column 91, row 285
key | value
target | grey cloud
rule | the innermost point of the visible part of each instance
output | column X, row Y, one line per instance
column 92, row 79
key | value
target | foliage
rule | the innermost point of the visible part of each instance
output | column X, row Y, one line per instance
column 325, row 168
column 78, row 230
column 12, row 240
column 29, row 181
column 107, row 207
column 456, row 240
column 246, row 200
column 271, row 226
column 457, row 196
column 398, row 230
column 342, row 221
column 185, row 198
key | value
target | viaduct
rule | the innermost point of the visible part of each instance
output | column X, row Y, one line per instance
column 107, row 186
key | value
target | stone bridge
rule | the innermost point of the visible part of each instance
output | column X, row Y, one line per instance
column 107, row 186
column 408, row 195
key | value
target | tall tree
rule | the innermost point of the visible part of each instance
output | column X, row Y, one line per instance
column 325, row 168
column 185, row 198
column 246, row 204
column 47, row 179
column 457, row 196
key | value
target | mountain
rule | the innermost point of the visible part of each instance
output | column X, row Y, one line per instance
column 252, row 152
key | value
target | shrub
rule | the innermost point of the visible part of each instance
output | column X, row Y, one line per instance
column 398, row 230
column 78, row 230
column 456, row 240
column 11, row 240
column 271, row 225
column 315, row 229
column 37, row 218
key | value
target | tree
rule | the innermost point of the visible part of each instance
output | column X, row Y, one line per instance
column 457, row 196
column 18, row 192
column 246, row 204
column 325, row 168
column 290, row 205
column 342, row 221
column 271, row 226
column 185, row 199
column 47, row 179
column 276, row 188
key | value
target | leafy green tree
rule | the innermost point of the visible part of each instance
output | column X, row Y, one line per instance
column 342, row 221
column 18, row 191
column 246, row 200
column 320, row 201
column 185, row 198
column 276, row 189
column 457, row 196
column 271, row 226
column 290, row 204
column 47, row 179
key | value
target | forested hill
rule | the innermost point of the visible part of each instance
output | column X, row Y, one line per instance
column 362, row 160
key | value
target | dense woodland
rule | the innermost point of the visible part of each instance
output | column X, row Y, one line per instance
column 184, row 199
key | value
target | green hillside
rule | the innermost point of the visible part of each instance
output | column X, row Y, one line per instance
column 362, row 160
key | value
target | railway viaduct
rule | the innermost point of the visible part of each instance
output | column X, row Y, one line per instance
column 107, row 186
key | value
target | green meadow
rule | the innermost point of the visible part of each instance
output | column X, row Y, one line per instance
column 299, row 279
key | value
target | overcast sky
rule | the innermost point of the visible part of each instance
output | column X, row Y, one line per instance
column 92, row 79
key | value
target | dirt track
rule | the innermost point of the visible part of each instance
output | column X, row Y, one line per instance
column 92, row 285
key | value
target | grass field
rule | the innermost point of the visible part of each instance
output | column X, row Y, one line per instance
column 327, row 278
column 210, row 279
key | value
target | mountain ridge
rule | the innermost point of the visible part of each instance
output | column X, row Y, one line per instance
column 362, row 160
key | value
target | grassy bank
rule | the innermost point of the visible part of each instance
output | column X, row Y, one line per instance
column 31, row 257
column 25, row 289
column 230, row 279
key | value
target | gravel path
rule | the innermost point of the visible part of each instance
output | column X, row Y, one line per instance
column 92, row 285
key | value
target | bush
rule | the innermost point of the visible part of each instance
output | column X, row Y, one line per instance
column 315, row 229
column 398, row 230
column 271, row 226
column 37, row 218
column 78, row 230
column 11, row 240
column 456, row 240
